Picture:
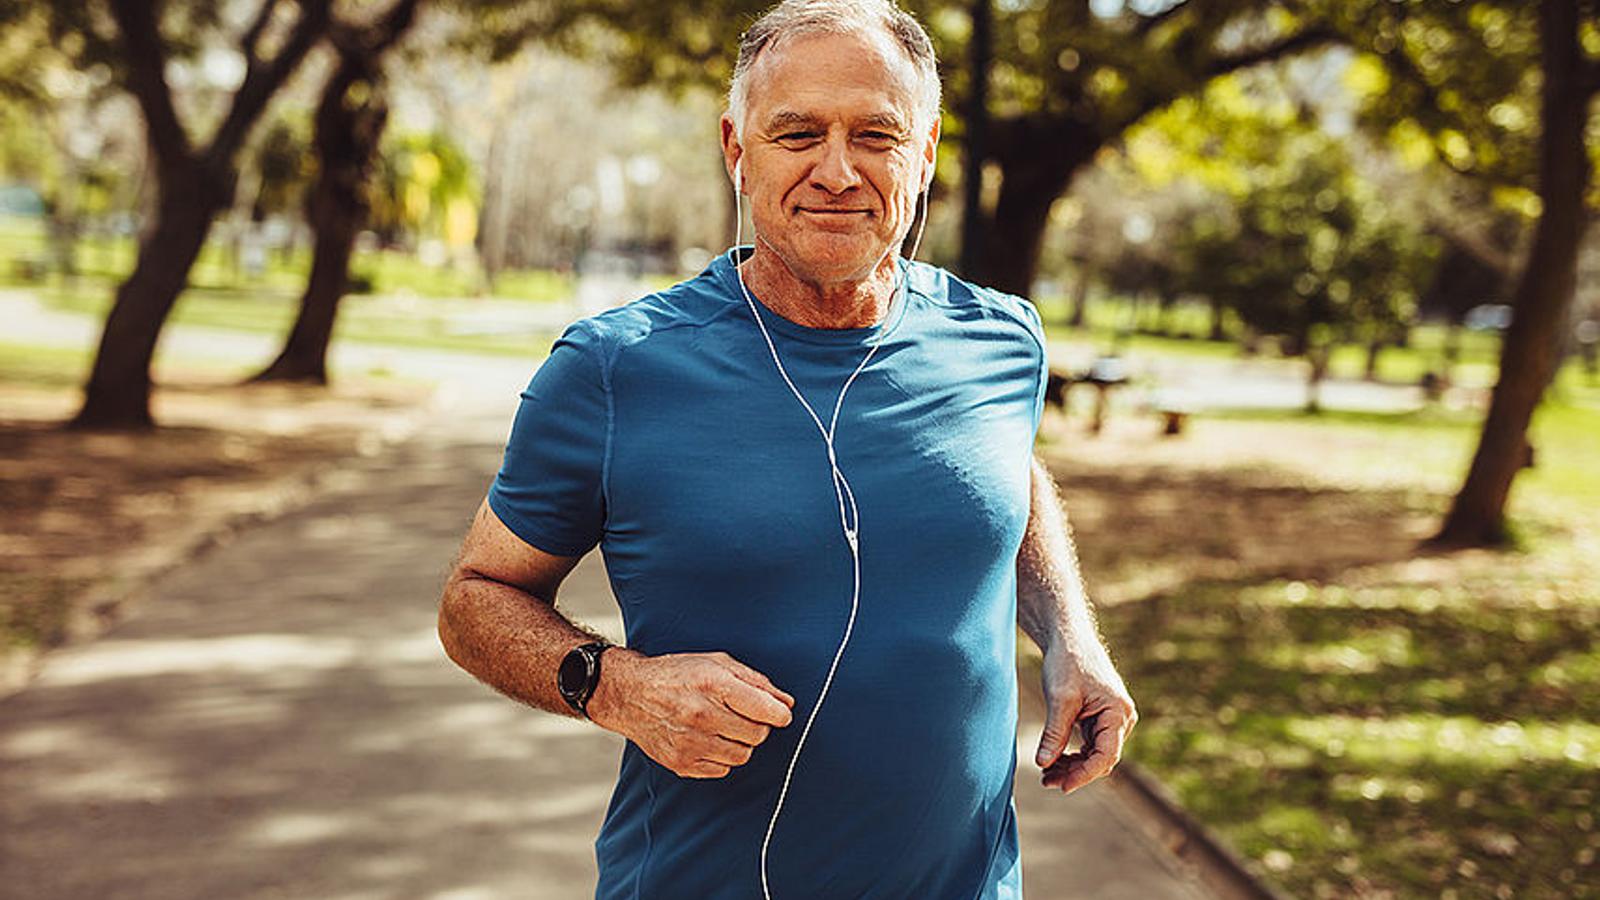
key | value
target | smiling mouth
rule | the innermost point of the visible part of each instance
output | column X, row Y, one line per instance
column 834, row 212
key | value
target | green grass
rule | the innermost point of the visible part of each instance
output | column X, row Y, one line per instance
column 43, row 366
column 362, row 319
column 1418, row 731
column 103, row 262
column 1399, row 739
column 34, row 612
column 1430, row 448
column 1107, row 318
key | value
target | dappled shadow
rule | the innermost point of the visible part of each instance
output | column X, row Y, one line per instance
column 278, row 719
column 1335, row 652
column 1390, row 737
column 1144, row 529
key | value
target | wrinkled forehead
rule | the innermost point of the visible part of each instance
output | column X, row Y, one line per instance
column 822, row 74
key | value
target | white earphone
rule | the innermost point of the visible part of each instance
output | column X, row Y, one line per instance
column 849, row 515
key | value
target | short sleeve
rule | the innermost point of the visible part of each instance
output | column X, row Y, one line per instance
column 1036, row 329
column 550, row 487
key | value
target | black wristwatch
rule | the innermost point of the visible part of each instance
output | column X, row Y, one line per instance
column 580, row 672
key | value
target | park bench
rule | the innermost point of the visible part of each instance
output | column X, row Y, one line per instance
column 1105, row 375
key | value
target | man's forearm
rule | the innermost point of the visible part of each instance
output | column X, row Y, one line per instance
column 509, row 640
column 1052, row 606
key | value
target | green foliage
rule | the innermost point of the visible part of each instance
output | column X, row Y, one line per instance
column 1309, row 245
column 421, row 185
column 1258, row 208
column 1455, row 84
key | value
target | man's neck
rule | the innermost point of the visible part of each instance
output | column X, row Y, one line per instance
column 856, row 303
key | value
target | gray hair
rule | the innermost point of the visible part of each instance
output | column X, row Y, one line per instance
column 797, row 17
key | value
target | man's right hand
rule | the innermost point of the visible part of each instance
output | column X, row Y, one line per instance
column 698, row 714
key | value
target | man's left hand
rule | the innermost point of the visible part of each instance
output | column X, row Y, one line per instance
column 1082, row 687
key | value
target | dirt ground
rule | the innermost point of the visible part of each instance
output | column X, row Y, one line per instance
column 1219, row 503
column 85, row 518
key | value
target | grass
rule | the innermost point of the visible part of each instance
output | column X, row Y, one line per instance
column 42, row 366
column 1107, row 319
column 387, row 320
column 105, row 261
column 1406, row 726
column 1400, row 740
column 412, row 304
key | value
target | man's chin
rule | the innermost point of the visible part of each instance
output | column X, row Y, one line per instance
column 836, row 257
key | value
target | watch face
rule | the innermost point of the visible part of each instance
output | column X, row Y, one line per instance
column 574, row 672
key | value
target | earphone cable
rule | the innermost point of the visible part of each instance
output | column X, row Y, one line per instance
column 851, row 523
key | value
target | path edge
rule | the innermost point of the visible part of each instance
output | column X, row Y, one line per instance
column 1208, row 858
column 99, row 608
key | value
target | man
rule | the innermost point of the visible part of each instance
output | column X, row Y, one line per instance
column 810, row 471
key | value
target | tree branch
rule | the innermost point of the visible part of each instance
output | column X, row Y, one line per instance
column 1148, row 24
column 262, row 80
column 378, row 37
column 145, row 56
column 252, row 35
column 1306, row 39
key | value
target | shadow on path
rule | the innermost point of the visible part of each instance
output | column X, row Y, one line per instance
column 278, row 720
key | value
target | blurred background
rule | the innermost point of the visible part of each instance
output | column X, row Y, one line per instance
column 1323, row 310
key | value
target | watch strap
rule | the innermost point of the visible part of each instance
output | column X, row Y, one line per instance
column 577, row 695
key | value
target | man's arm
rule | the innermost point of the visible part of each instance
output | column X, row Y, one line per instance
column 698, row 714
column 1081, row 686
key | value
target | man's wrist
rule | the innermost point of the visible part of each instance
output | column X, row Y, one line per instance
column 611, row 690
column 579, row 674
column 1080, row 643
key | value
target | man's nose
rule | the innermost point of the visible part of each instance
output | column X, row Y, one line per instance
column 835, row 173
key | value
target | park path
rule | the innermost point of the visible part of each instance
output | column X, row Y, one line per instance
column 277, row 719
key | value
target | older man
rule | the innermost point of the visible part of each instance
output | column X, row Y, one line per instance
column 810, row 471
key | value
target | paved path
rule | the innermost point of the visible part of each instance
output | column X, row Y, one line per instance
column 277, row 719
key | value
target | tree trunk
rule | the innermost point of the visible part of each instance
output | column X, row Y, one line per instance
column 975, row 145
column 117, row 396
column 348, row 133
column 1374, row 350
column 1217, row 331
column 1530, row 350
column 1008, row 257
column 304, row 356
column 1317, row 358
column 193, row 186
column 1080, row 299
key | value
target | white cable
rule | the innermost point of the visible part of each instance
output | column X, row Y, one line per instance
column 841, row 487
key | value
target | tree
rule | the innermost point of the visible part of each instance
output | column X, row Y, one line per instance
column 1061, row 80
column 1498, row 91
column 193, row 183
column 349, row 124
column 1532, row 346
column 1079, row 78
column 1309, row 252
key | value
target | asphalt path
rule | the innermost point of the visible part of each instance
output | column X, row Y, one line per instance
column 277, row 719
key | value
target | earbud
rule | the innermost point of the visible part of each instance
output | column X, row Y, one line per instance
column 738, row 183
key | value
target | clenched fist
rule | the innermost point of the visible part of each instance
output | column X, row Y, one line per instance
column 698, row 714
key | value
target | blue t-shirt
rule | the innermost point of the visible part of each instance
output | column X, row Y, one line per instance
column 662, row 431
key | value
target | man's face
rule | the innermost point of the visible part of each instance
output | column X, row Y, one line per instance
column 831, row 158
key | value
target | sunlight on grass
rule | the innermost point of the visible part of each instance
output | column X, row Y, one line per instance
column 1416, row 739
column 1424, row 728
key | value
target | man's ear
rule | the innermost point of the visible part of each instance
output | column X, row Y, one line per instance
column 732, row 151
column 931, row 154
